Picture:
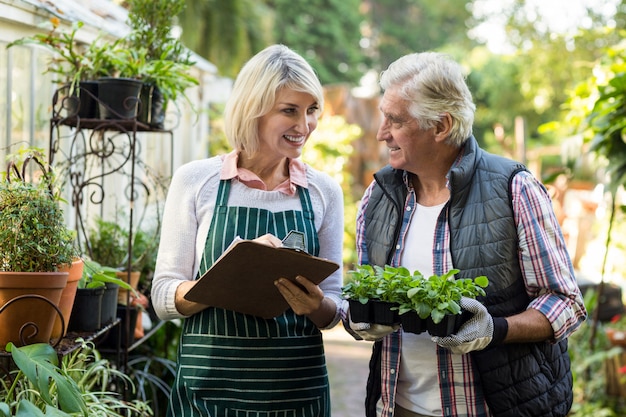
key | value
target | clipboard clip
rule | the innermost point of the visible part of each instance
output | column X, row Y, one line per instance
column 294, row 240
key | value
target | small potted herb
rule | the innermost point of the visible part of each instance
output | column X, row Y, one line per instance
column 35, row 245
column 166, row 70
column 77, row 65
column 389, row 295
column 379, row 290
column 436, row 300
column 360, row 288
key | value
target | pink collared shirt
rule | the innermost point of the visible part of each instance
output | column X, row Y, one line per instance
column 297, row 175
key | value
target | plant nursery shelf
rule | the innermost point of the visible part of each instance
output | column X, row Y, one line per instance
column 122, row 125
column 107, row 172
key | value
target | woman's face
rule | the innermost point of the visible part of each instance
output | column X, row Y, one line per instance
column 284, row 130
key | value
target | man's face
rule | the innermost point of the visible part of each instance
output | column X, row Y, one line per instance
column 408, row 144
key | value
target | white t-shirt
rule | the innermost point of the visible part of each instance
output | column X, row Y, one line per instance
column 418, row 382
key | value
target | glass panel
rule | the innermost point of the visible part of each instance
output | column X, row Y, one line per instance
column 30, row 99
column 20, row 100
column 44, row 90
column 4, row 87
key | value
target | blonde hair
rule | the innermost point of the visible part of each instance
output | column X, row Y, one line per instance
column 434, row 84
column 255, row 90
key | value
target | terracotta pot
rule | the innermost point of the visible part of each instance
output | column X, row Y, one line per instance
column 66, row 303
column 616, row 337
column 29, row 306
column 122, row 295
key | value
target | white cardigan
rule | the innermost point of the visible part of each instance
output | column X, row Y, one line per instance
column 189, row 210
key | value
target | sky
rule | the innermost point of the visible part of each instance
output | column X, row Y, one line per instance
column 562, row 16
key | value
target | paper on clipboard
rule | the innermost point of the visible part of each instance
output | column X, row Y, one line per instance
column 242, row 279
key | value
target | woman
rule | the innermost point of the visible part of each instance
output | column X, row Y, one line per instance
column 231, row 364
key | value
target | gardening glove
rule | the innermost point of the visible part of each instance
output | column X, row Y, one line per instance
column 372, row 331
column 479, row 332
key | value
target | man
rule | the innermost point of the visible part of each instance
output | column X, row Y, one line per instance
column 444, row 203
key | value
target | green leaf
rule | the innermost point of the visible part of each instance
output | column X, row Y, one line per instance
column 437, row 316
column 39, row 362
column 482, row 281
column 28, row 409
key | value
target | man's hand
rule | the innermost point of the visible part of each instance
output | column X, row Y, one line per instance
column 372, row 331
column 479, row 332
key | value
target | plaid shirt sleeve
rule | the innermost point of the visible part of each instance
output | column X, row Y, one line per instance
column 545, row 262
column 361, row 247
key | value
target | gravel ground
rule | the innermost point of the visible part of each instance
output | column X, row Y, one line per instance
column 347, row 361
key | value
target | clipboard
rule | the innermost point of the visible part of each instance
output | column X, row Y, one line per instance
column 242, row 279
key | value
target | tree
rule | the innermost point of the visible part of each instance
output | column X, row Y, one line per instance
column 327, row 33
column 554, row 63
column 226, row 32
column 399, row 27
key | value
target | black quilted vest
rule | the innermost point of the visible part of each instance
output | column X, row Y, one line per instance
column 529, row 379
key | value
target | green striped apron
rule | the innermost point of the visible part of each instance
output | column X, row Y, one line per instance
column 237, row 365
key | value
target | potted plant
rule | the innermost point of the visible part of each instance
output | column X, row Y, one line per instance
column 34, row 244
column 420, row 303
column 165, row 71
column 66, row 303
column 96, row 298
column 436, row 300
column 78, row 65
column 359, row 290
column 108, row 245
column 378, row 291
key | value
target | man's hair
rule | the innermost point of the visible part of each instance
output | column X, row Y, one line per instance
column 433, row 84
column 255, row 90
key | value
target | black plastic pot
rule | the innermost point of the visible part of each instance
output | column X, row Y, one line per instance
column 412, row 323
column 128, row 321
column 118, row 97
column 86, row 311
column 449, row 325
column 152, row 106
column 359, row 312
column 83, row 102
column 109, row 303
column 384, row 313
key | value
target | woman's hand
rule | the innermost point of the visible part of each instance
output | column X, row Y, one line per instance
column 306, row 298
column 269, row 240
column 183, row 305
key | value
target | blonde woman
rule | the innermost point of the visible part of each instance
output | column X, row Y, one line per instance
column 231, row 364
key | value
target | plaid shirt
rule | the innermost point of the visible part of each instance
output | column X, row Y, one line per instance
column 549, row 281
